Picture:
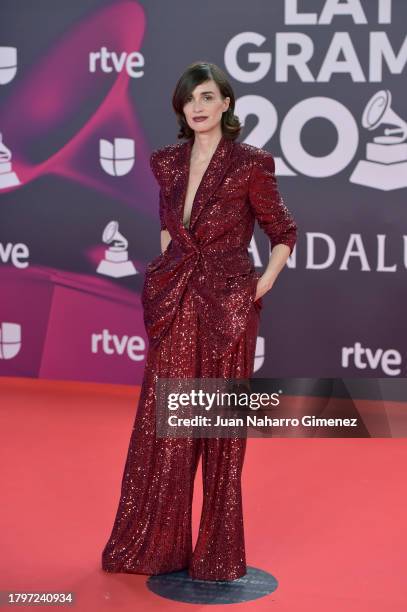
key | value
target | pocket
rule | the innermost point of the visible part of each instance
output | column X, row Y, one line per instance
column 156, row 262
column 239, row 274
column 238, row 270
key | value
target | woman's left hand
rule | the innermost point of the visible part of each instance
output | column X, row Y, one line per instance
column 263, row 285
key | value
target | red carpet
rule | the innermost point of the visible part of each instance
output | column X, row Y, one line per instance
column 327, row 517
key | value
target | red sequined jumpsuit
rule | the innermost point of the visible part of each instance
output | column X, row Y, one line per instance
column 202, row 321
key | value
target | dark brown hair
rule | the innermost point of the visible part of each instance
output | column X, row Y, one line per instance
column 194, row 75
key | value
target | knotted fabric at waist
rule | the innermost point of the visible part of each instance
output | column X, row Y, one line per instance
column 222, row 281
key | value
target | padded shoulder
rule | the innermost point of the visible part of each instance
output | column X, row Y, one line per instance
column 256, row 156
column 160, row 158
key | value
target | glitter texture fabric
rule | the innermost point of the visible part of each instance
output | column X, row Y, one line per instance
column 211, row 256
column 202, row 322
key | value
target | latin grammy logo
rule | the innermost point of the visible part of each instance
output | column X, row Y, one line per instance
column 8, row 178
column 385, row 166
column 116, row 262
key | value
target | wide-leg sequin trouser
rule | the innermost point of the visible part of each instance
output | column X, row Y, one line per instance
column 152, row 530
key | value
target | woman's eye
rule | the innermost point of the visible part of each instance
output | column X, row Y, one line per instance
column 206, row 98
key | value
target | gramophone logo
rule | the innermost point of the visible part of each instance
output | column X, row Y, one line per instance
column 10, row 340
column 116, row 262
column 117, row 159
column 385, row 166
column 8, row 178
column 8, row 64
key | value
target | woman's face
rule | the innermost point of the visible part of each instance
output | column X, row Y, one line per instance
column 205, row 101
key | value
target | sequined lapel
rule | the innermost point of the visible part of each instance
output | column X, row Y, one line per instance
column 216, row 170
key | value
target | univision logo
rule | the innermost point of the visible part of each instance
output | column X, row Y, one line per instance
column 10, row 340
column 8, row 64
column 117, row 158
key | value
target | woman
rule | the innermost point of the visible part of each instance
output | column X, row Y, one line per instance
column 202, row 299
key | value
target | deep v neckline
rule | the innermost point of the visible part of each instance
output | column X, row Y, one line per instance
column 188, row 173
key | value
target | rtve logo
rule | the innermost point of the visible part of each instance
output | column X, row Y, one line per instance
column 17, row 254
column 361, row 358
column 110, row 60
column 110, row 344
column 10, row 340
